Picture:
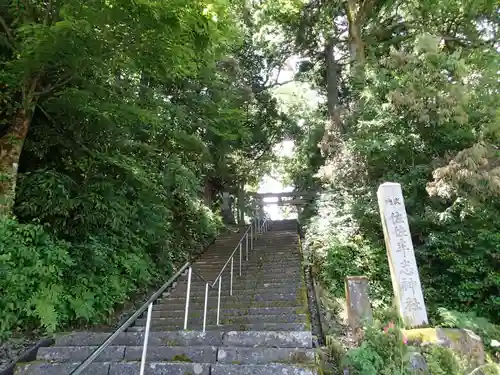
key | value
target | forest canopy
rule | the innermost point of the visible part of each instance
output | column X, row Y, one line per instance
column 411, row 94
column 120, row 124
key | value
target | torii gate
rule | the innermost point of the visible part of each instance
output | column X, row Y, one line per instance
column 293, row 198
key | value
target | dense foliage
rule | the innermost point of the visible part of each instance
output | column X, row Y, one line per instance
column 387, row 350
column 411, row 96
column 120, row 124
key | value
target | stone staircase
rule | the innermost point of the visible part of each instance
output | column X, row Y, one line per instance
column 264, row 326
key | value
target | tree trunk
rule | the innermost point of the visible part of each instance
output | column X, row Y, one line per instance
column 355, row 17
column 332, row 87
column 333, row 133
column 11, row 145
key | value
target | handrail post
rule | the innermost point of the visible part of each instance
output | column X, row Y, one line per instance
column 218, row 301
column 188, row 292
column 246, row 244
column 91, row 357
column 251, row 235
column 231, row 284
column 146, row 338
column 205, row 309
column 241, row 255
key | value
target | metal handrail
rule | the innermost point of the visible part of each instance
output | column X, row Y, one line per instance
column 148, row 305
column 79, row 369
column 218, row 280
column 232, row 255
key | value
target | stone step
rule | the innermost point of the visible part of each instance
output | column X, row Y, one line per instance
column 222, row 254
column 212, row 273
column 169, row 305
column 254, row 296
column 117, row 368
column 202, row 354
column 242, row 290
column 255, row 256
column 254, row 260
column 228, row 300
column 239, row 283
column 237, row 280
column 270, row 369
column 246, row 277
column 228, row 319
column 169, row 338
column 263, row 311
column 225, row 328
column 261, row 356
column 269, row 339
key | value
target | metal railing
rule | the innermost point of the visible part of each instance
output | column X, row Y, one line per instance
column 257, row 225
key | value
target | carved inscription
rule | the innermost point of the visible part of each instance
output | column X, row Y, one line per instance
column 404, row 270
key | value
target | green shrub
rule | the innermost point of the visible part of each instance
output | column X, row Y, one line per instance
column 479, row 325
column 441, row 361
column 382, row 352
column 33, row 268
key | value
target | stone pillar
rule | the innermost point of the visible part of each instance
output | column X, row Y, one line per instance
column 359, row 309
column 227, row 214
column 260, row 208
column 399, row 245
column 241, row 205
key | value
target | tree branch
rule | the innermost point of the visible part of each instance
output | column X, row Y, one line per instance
column 10, row 38
column 276, row 84
column 48, row 14
column 51, row 88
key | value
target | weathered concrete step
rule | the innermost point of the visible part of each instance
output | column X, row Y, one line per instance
column 255, row 278
column 119, row 368
column 242, row 284
column 254, row 261
column 168, row 305
column 262, row 248
column 269, row 339
column 200, row 292
column 129, row 353
column 261, row 356
column 271, row 369
column 227, row 327
column 212, row 274
column 228, row 304
column 243, row 291
column 170, row 338
column 228, row 319
column 200, row 299
column 262, row 311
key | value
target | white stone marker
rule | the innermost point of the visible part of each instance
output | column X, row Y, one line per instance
column 404, row 271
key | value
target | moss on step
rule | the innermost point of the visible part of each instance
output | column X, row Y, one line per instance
column 302, row 296
column 181, row 358
column 299, row 357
